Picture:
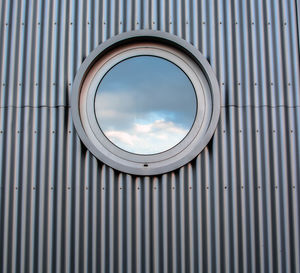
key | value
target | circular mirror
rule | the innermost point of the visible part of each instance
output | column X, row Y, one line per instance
column 145, row 105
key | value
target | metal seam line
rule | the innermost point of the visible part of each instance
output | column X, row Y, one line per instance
column 222, row 106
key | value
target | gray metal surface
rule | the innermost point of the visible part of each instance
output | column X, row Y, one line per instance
column 235, row 208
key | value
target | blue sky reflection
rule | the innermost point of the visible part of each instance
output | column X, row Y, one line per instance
column 145, row 105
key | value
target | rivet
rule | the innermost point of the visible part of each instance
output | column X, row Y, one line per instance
column 275, row 187
column 269, row 23
column 273, row 131
column 86, row 188
column 54, row 83
column 170, row 23
column 291, row 131
column 103, row 188
column 20, row 84
column 3, row 84
column 1, row 132
column 16, row 188
column 71, row 23
column 285, row 23
column 225, row 187
column 203, row 23
column 153, row 23
column 256, row 131
column 120, row 188
column 294, row 187
column 36, row 84
column 255, row 83
column 137, row 23
column 239, row 83
column 69, row 84
column 51, row 188
column 223, row 83
column 173, row 188
column 155, row 188
column 272, row 83
column 289, row 84
column 53, row 132
column 69, row 188
column 35, row 132
column 240, row 131
column 69, row 132
column 138, row 188
column 236, row 23
column 22, row 24
column 39, row 23
column 120, row 23
column 224, row 131
column 258, row 187
column 242, row 187
column 252, row 23
column 33, row 188
column 220, row 23
column 190, row 188
column 54, row 23
column 6, row 24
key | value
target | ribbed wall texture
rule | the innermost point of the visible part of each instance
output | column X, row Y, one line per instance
column 235, row 208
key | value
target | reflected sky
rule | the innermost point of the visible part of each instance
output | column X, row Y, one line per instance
column 145, row 105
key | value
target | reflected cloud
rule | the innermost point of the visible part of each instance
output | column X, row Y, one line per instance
column 148, row 138
column 145, row 105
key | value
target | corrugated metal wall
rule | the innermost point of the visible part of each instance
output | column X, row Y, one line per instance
column 235, row 208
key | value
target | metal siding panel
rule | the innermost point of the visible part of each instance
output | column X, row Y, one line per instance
column 251, row 45
column 234, row 208
column 219, row 215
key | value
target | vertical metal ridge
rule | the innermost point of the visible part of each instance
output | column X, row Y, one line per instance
column 295, row 187
column 165, row 233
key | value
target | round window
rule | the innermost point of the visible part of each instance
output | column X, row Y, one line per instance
column 145, row 105
column 145, row 102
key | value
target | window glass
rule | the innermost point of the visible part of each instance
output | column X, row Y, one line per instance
column 145, row 105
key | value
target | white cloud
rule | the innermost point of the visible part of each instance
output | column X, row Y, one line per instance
column 150, row 138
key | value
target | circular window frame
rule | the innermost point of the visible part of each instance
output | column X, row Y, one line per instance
column 138, row 50
column 139, row 43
